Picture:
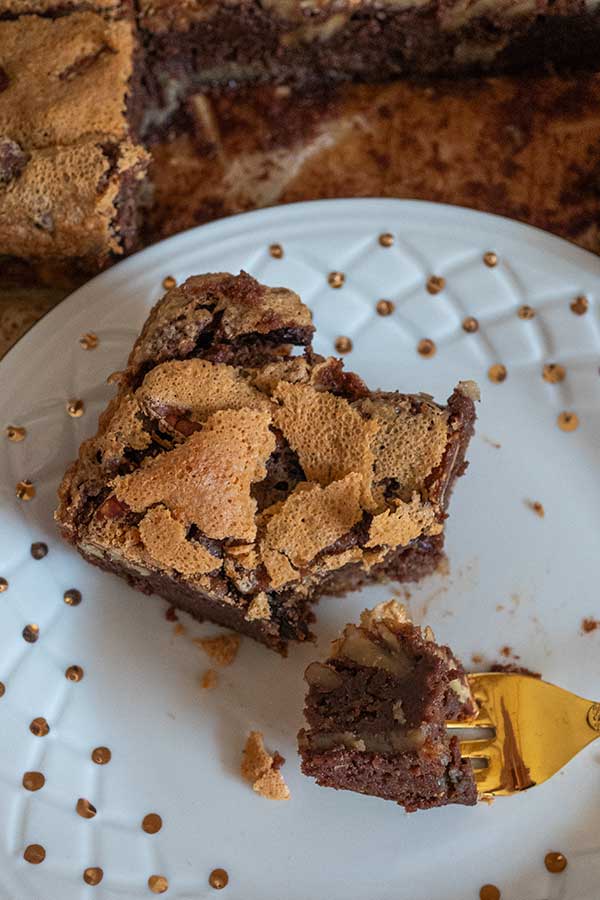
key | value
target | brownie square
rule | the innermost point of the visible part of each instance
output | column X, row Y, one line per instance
column 241, row 481
column 65, row 79
column 80, row 201
column 376, row 714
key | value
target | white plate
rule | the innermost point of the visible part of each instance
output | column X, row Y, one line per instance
column 516, row 580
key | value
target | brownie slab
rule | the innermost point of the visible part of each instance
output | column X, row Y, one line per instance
column 65, row 79
column 90, row 212
column 199, row 42
column 376, row 713
column 241, row 481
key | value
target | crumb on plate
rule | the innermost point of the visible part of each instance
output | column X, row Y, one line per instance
column 261, row 769
column 221, row 649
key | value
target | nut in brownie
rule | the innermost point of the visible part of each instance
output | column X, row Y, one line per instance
column 241, row 482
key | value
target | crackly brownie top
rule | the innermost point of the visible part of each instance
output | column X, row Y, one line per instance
column 225, row 455
column 45, row 214
column 64, row 79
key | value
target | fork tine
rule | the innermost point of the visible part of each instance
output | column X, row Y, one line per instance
column 480, row 748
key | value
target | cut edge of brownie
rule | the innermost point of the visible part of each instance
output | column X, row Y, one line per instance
column 222, row 333
column 376, row 711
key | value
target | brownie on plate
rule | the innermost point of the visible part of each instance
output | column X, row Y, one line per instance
column 241, row 481
column 376, row 713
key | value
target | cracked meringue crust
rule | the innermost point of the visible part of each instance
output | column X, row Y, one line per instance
column 241, row 482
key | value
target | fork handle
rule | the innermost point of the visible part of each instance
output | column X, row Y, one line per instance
column 593, row 717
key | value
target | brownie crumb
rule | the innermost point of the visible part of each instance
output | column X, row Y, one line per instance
column 222, row 649
column 209, row 680
column 171, row 614
column 536, row 507
column 590, row 624
column 261, row 769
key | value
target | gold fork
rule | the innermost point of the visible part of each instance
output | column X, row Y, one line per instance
column 537, row 726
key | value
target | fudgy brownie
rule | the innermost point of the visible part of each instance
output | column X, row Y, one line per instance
column 71, row 178
column 241, row 482
column 376, row 713
column 199, row 41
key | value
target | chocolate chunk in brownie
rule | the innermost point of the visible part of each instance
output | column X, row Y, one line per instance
column 241, row 481
column 376, row 713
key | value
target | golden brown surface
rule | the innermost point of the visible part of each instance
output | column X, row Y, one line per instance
column 67, row 79
column 525, row 147
column 47, row 214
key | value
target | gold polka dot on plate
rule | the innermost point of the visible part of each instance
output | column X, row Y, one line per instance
column 33, row 781
column 34, row 854
column 72, row 597
column 276, row 251
column 39, row 550
column 490, row 259
column 158, row 884
column 526, row 312
column 336, row 279
column 93, row 875
column 386, row 240
column 39, row 727
column 85, row 809
column 580, row 305
column 74, row 673
column 15, row 433
column 470, row 325
column 343, row 345
column 497, row 373
column 435, row 284
column 3, row 585
column 75, row 408
column 89, row 340
column 426, row 347
column 31, row 633
column 555, row 862
column 218, row 879
column 2, row 689
column 567, row 421
column 385, row 307
column 489, row 892
column 169, row 282
column 152, row 823
column 554, row 373
column 25, row 490
column 101, row 756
